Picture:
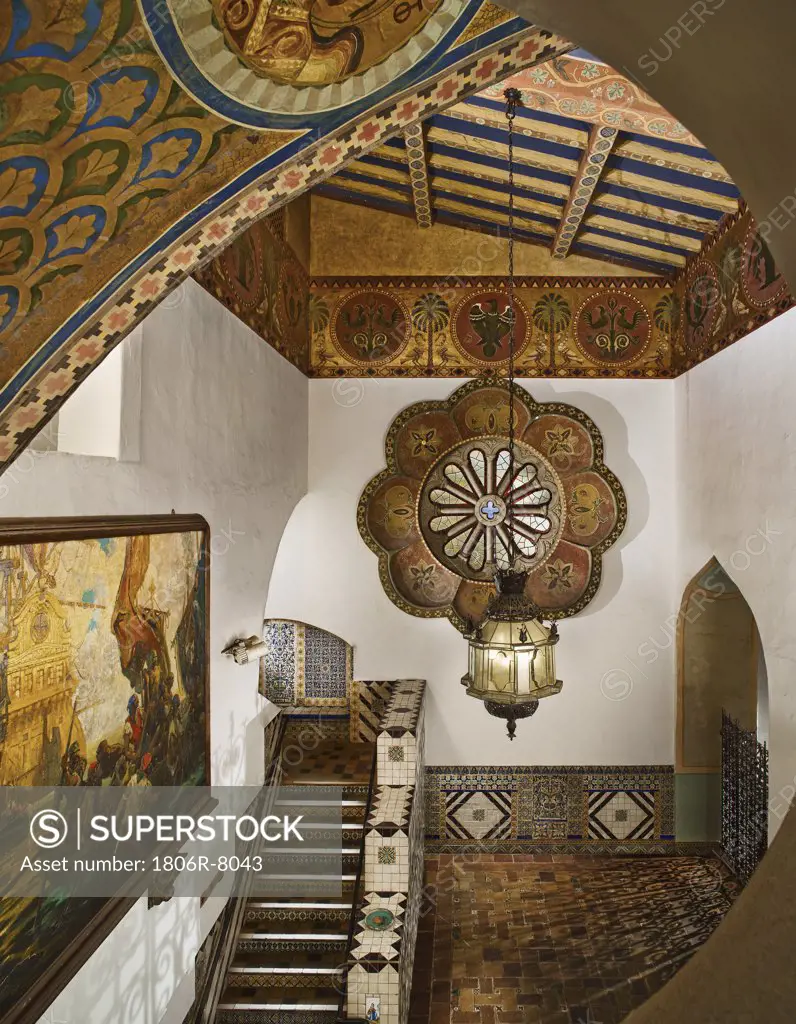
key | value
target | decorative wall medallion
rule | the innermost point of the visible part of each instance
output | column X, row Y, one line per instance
column 761, row 280
column 481, row 327
column 371, row 327
column 478, row 518
column 612, row 328
column 703, row 301
column 437, row 515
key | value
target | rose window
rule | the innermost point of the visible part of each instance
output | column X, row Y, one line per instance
column 448, row 511
column 479, row 514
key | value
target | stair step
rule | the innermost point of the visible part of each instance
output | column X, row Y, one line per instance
column 274, row 876
column 351, row 801
column 279, row 1005
column 292, row 936
column 298, row 904
column 314, row 851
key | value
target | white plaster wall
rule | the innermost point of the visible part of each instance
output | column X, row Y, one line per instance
column 615, row 708
column 736, row 450
column 224, row 434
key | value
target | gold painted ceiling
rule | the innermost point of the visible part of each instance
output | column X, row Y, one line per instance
column 123, row 167
column 602, row 170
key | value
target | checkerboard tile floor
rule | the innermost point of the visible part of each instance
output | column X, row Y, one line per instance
column 554, row 939
column 331, row 761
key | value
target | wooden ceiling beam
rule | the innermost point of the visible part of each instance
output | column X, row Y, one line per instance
column 417, row 159
column 591, row 166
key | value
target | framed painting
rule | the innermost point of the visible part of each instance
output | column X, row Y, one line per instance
column 104, row 681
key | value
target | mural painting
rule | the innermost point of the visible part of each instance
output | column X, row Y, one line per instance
column 259, row 278
column 438, row 516
column 562, row 326
column 733, row 288
column 103, row 682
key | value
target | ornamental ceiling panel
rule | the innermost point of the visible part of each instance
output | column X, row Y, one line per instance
column 451, row 508
column 116, row 183
column 602, row 171
column 570, row 327
column 732, row 288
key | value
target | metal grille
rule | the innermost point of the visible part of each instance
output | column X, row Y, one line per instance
column 744, row 798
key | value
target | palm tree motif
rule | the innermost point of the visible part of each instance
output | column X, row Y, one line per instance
column 761, row 270
column 615, row 330
column 430, row 314
column 666, row 314
column 318, row 314
column 730, row 269
column 551, row 315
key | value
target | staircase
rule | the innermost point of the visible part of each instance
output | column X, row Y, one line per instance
column 290, row 953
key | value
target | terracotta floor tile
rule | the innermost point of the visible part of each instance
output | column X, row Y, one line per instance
column 553, row 939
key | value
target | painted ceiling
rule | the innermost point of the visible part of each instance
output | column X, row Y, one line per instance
column 601, row 170
column 124, row 166
column 459, row 326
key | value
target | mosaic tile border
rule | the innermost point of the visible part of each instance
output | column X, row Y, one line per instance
column 563, row 809
column 381, row 963
column 43, row 384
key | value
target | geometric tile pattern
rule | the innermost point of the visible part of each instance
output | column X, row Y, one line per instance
column 305, row 666
column 278, row 664
column 478, row 815
column 381, row 963
column 570, row 809
column 622, row 815
column 327, row 667
column 367, row 704
column 558, row 939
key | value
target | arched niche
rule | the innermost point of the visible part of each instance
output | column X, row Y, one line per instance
column 720, row 665
column 305, row 666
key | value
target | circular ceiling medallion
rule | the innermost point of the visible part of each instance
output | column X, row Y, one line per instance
column 318, row 42
column 439, row 516
column 481, row 327
column 478, row 513
column 701, row 306
column 761, row 281
column 612, row 328
column 371, row 327
column 286, row 64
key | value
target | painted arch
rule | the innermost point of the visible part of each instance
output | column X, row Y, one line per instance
column 116, row 183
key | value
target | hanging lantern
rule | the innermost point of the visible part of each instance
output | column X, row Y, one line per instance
column 512, row 663
column 512, row 659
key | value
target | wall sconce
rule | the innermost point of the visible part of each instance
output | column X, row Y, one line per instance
column 244, row 651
